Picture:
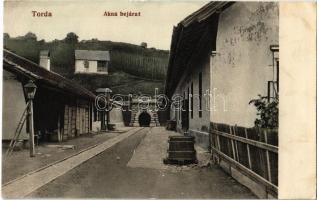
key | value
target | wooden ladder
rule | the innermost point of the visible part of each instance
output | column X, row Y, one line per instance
column 17, row 131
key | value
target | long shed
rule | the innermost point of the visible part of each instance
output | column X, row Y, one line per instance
column 62, row 108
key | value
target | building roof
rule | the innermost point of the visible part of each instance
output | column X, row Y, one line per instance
column 43, row 77
column 205, row 12
column 192, row 40
column 92, row 55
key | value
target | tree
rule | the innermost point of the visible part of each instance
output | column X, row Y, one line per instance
column 143, row 45
column 71, row 38
column 30, row 36
column 42, row 42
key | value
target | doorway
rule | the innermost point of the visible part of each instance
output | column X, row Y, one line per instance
column 144, row 119
column 185, row 115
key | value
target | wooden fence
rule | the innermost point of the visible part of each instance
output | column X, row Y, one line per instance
column 252, row 151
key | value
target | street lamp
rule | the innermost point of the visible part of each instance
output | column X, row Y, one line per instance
column 108, row 92
column 30, row 89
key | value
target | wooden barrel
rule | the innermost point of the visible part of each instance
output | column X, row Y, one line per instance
column 181, row 150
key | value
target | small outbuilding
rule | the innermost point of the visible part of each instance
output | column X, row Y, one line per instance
column 62, row 108
column 92, row 62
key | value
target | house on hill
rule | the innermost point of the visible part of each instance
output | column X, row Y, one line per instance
column 62, row 108
column 222, row 56
column 91, row 62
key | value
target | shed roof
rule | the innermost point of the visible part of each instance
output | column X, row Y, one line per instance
column 205, row 12
column 26, row 68
column 92, row 55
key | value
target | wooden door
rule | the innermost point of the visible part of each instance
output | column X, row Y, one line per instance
column 185, row 115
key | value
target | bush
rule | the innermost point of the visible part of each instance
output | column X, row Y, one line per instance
column 267, row 111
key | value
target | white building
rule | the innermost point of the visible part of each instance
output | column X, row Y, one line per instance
column 92, row 62
column 228, row 52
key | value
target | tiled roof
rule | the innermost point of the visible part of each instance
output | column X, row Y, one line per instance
column 205, row 12
column 192, row 40
column 22, row 66
column 92, row 55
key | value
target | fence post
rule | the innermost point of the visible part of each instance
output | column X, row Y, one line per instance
column 232, row 143
column 248, row 149
column 236, row 143
column 218, row 140
column 267, row 158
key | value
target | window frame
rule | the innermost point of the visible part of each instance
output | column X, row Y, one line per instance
column 104, row 65
column 200, row 89
column 86, row 64
column 192, row 101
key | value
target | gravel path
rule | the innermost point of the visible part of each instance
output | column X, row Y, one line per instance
column 108, row 175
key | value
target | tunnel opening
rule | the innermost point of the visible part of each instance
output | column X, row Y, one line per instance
column 144, row 119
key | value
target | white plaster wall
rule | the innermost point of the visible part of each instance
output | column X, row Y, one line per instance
column 96, row 126
column 116, row 117
column 243, row 63
column 13, row 106
column 80, row 67
column 195, row 123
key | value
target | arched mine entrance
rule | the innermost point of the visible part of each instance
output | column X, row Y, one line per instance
column 144, row 119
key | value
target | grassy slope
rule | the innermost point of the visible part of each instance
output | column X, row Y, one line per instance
column 120, row 83
column 129, row 63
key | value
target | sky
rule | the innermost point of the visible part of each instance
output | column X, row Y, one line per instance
column 87, row 20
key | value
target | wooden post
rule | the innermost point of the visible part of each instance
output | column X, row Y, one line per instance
column 31, row 125
column 107, row 112
column 69, row 127
column 267, row 159
column 236, row 143
column 218, row 140
column 73, row 122
column 59, row 137
column 248, row 149
column 232, row 144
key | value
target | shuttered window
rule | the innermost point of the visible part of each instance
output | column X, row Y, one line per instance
column 192, row 101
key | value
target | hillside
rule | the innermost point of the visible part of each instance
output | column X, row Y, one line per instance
column 141, row 69
column 120, row 83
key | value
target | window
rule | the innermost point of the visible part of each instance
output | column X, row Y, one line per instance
column 86, row 64
column 200, row 95
column 102, row 66
column 192, row 101
column 273, row 85
column 277, row 74
column 188, row 98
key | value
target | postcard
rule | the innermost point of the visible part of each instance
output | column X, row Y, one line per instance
column 159, row 99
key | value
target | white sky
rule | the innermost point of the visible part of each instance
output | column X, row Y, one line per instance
column 86, row 19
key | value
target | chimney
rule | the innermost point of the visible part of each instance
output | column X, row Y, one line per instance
column 45, row 59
